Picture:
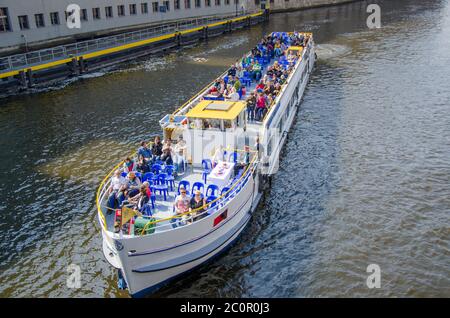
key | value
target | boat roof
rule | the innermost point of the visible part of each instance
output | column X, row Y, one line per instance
column 214, row 109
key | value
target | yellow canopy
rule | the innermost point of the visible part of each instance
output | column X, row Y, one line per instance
column 216, row 109
column 295, row 48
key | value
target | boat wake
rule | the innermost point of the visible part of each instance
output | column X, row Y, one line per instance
column 329, row 51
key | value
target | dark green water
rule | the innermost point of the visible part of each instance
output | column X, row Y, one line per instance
column 364, row 178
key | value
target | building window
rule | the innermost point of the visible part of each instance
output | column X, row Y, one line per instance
column 39, row 18
column 121, row 10
column 96, row 13
column 4, row 20
column 227, row 2
column 133, row 9
column 54, row 18
column 109, row 12
column 198, row 3
column 217, row 2
column 83, row 15
column 207, row 3
column 176, row 4
column 187, row 4
column 257, row 2
column 272, row 1
column 167, row 5
column 155, row 6
column 236, row 1
column 144, row 8
column 23, row 22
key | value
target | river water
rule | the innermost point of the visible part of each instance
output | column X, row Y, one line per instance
column 364, row 176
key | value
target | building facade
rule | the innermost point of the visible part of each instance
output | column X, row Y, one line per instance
column 24, row 22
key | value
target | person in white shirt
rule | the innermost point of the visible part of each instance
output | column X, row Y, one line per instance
column 218, row 156
column 233, row 96
column 180, row 154
column 118, row 184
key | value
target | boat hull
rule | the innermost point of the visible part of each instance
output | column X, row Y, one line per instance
column 180, row 250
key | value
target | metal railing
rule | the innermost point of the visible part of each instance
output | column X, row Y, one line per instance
column 24, row 60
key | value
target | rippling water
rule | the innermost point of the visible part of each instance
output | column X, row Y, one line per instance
column 364, row 178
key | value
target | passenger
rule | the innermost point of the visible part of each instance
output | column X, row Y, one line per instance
column 237, row 83
column 138, row 201
column 117, row 184
column 148, row 191
column 129, row 165
column 219, row 155
column 243, row 161
column 239, row 71
column 157, row 148
column 232, row 71
column 197, row 205
column 167, row 153
column 260, row 86
column 251, row 103
column 145, row 152
column 260, row 106
column 133, row 184
column 256, row 70
column 142, row 165
column 233, row 96
column 181, row 204
column 180, row 155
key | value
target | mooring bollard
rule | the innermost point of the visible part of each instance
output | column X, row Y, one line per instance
column 82, row 65
column 29, row 77
column 23, row 79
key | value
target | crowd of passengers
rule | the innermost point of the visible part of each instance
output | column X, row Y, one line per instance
column 249, row 68
column 130, row 191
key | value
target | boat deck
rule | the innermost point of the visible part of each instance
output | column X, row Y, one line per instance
column 165, row 208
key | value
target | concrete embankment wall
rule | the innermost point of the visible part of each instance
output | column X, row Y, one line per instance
column 291, row 5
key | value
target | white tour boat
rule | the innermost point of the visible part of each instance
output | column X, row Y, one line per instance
column 151, row 248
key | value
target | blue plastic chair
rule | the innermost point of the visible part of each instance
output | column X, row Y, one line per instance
column 211, row 190
column 185, row 184
column 147, row 177
column 213, row 205
column 156, row 168
column 170, row 179
column 162, row 187
column 233, row 157
column 207, row 167
column 198, row 186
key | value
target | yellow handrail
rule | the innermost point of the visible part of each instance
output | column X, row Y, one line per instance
column 208, row 204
